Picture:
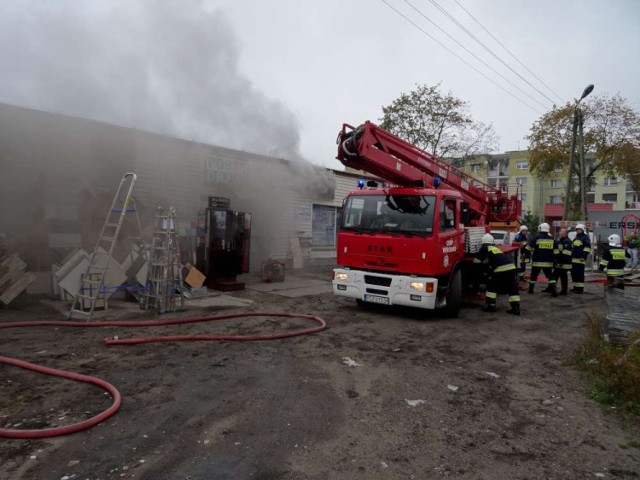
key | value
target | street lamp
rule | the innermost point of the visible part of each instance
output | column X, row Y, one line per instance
column 578, row 123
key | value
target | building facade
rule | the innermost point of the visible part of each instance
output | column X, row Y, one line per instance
column 544, row 197
column 60, row 173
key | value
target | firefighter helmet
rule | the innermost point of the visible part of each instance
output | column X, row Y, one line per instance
column 614, row 240
column 487, row 238
column 544, row 227
column 581, row 227
column 523, row 228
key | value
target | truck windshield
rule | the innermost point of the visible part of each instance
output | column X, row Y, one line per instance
column 408, row 214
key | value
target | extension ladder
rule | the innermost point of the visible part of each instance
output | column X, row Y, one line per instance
column 91, row 290
column 164, row 281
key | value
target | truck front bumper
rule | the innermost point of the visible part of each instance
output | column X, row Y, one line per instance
column 386, row 289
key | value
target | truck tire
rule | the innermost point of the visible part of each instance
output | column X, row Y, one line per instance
column 454, row 295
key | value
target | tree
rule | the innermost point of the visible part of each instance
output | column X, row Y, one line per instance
column 531, row 221
column 438, row 123
column 611, row 139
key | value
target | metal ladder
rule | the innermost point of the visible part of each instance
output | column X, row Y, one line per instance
column 164, row 282
column 91, row 288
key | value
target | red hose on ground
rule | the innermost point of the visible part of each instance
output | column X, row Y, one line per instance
column 76, row 427
column 57, row 431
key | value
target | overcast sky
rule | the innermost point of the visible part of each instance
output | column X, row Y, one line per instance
column 280, row 77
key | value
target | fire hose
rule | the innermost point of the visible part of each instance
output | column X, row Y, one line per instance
column 115, row 395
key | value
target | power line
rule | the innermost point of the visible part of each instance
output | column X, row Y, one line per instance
column 458, row 56
column 509, row 51
column 474, row 55
column 453, row 19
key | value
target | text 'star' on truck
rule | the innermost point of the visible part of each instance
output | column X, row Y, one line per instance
column 410, row 241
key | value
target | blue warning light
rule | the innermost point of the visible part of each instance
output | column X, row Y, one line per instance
column 361, row 183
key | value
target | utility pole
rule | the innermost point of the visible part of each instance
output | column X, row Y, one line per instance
column 583, row 171
column 577, row 131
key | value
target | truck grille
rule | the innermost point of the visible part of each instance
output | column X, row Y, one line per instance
column 381, row 281
column 376, row 291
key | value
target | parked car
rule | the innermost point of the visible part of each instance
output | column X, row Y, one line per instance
column 501, row 237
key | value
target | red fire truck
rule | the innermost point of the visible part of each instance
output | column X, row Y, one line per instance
column 409, row 240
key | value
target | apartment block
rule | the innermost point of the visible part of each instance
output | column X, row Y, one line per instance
column 545, row 196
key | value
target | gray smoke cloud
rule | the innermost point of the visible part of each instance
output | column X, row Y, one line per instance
column 169, row 67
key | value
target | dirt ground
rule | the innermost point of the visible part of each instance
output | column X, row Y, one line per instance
column 498, row 398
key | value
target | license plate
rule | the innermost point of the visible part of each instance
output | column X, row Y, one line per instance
column 376, row 299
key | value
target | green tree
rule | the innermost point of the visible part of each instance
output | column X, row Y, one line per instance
column 438, row 123
column 531, row 221
column 611, row 139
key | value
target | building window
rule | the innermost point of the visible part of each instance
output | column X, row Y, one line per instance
column 610, row 181
column 522, row 180
column 523, row 165
column 475, row 167
column 610, row 197
column 523, row 197
column 555, row 199
column 323, row 226
column 556, row 183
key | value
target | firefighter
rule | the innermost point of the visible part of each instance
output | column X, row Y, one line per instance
column 543, row 250
column 563, row 261
column 581, row 248
column 614, row 259
column 502, row 275
column 525, row 255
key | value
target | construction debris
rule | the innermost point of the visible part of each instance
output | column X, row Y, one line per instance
column 14, row 279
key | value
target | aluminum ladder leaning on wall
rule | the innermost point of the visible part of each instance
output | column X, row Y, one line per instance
column 91, row 290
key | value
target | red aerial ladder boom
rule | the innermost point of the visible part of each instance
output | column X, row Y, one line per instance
column 379, row 152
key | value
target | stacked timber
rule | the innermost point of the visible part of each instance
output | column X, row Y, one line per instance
column 14, row 279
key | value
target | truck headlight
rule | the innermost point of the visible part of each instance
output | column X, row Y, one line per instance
column 342, row 276
column 419, row 286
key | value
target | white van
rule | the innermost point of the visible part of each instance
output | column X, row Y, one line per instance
column 501, row 237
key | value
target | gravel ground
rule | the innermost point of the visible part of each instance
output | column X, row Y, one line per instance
column 483, row 396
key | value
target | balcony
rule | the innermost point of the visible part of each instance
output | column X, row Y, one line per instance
column 632, row 205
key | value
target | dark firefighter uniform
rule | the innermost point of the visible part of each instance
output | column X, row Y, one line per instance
column 563, row 263
column 543, row 250
column 502, row 277
column 614, row 260
column 525, row 254
column 581, row 248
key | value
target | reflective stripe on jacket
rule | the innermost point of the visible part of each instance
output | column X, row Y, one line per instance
column 543, row 248
column 581, row 248
column 614, row 259
column 493, row 256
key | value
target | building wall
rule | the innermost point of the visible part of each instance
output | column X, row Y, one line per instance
column 55, row 167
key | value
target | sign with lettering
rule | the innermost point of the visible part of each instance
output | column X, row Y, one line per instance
column 219, row 202
column 224, row 170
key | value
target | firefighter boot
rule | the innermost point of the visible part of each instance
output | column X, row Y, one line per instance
column 549, row 289
column 577, row 290
column 515, row 308
column 489, row 307
column 552, row 289
column 531, row 285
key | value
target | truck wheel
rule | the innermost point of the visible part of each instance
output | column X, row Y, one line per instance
column 454, row 296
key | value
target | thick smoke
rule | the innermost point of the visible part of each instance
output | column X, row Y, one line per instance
column 168, row 67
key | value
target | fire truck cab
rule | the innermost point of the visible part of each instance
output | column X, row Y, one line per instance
column 406, row 243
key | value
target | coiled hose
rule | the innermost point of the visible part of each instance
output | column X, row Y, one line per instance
column 115, row 395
